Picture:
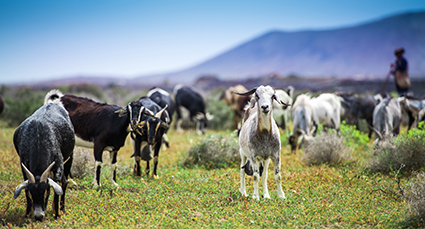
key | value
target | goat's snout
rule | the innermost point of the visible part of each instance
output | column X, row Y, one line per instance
column 39, row 214
column 265, row 109
column 133, row 124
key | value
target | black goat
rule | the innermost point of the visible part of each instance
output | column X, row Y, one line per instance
column 150, row 135
column 101, row 126
column 44, row 141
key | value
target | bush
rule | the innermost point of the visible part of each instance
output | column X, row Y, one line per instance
column 407, row 149
column 20, row 104
column 353, row 137
column 326, row 148
column 81, row 162
column 223, row 114
column 85, row 90
column 415, row 194
column 216, row 151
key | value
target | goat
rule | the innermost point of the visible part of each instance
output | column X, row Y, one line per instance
column 280, row 112
column 413, row 107
column 150, row 136
column 45, row 142
column 327, row 110
column 386, row 117
column 357, row 108
column 163, row 98
column 259, row 140
column 236, row 103
column 188, row 98
column 304, row 120
column 101, row 126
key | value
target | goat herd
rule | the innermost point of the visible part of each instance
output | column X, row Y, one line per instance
column 45, row 141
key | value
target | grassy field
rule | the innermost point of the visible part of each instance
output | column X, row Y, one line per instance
column 343, row 196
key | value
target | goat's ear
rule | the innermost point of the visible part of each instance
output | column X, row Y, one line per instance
column 122, row 112
column 290, row 91
column 250, row 92
column 199, row 116
column 148, row 112
column 209, row 116
column 277, row 98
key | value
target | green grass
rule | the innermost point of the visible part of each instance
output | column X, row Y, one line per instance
column 343, row 196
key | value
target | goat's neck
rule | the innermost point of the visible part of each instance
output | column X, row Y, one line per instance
column 264, row 121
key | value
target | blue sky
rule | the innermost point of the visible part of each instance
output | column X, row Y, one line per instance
column 50, row 39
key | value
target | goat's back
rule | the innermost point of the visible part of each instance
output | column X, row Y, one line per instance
column 44, row 137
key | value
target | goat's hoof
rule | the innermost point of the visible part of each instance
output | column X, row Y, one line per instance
column 155, row 177
column 255, row 197
column 71, row 182
column 266, row 196
column 242, row 192
column 282, row 196
column 95, row 185
column 116, row 186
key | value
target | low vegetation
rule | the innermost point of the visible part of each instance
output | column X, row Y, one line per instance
column 199, row 182
column 213, row 152
column 326, row 148
column 408, row 150
column 416, row 196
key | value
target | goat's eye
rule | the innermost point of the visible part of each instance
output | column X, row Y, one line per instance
column 256, row 96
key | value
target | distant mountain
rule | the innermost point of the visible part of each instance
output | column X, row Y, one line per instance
column 362, row 51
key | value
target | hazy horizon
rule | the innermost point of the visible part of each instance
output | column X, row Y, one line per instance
column 51, row 39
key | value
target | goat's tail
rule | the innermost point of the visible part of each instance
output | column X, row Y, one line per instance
column 53, row 96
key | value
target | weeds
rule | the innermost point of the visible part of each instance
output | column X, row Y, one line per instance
column 416, row 196
column 216, row 151
column 326, row 148
column 82, row 159
column 407, row 149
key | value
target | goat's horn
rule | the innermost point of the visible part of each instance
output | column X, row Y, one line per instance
column 148, row 112
column 45, row 174
column 246, row 93
column 159, row 114
column 302, row 132
column 376, row 132
column 28, row 173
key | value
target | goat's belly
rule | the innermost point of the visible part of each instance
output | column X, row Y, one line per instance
column 88, row 144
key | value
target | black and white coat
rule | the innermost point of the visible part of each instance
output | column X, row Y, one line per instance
column 44, row 142
column 149, row 136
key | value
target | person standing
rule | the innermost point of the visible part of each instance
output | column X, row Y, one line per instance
column 400, row 71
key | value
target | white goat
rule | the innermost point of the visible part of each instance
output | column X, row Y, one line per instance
column 303, row 116
column 282, row 113
column 327, row 110
column 259, row 140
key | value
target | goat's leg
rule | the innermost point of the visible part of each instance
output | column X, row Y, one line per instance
column 155, row 159
column 242, row 172
column 64, row 184
column 29, row 203
column 256, row 168
column 136, row 142
column 264, row 179
column 113, row 155
column 98, row 151
column 277, row 176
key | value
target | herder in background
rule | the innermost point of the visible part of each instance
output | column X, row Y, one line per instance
column 400, row 71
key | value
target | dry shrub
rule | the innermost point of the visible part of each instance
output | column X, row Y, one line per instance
column 326, row 148
column 216, row 151
column 407, row 149
column 83, row 158
column 415, row 193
